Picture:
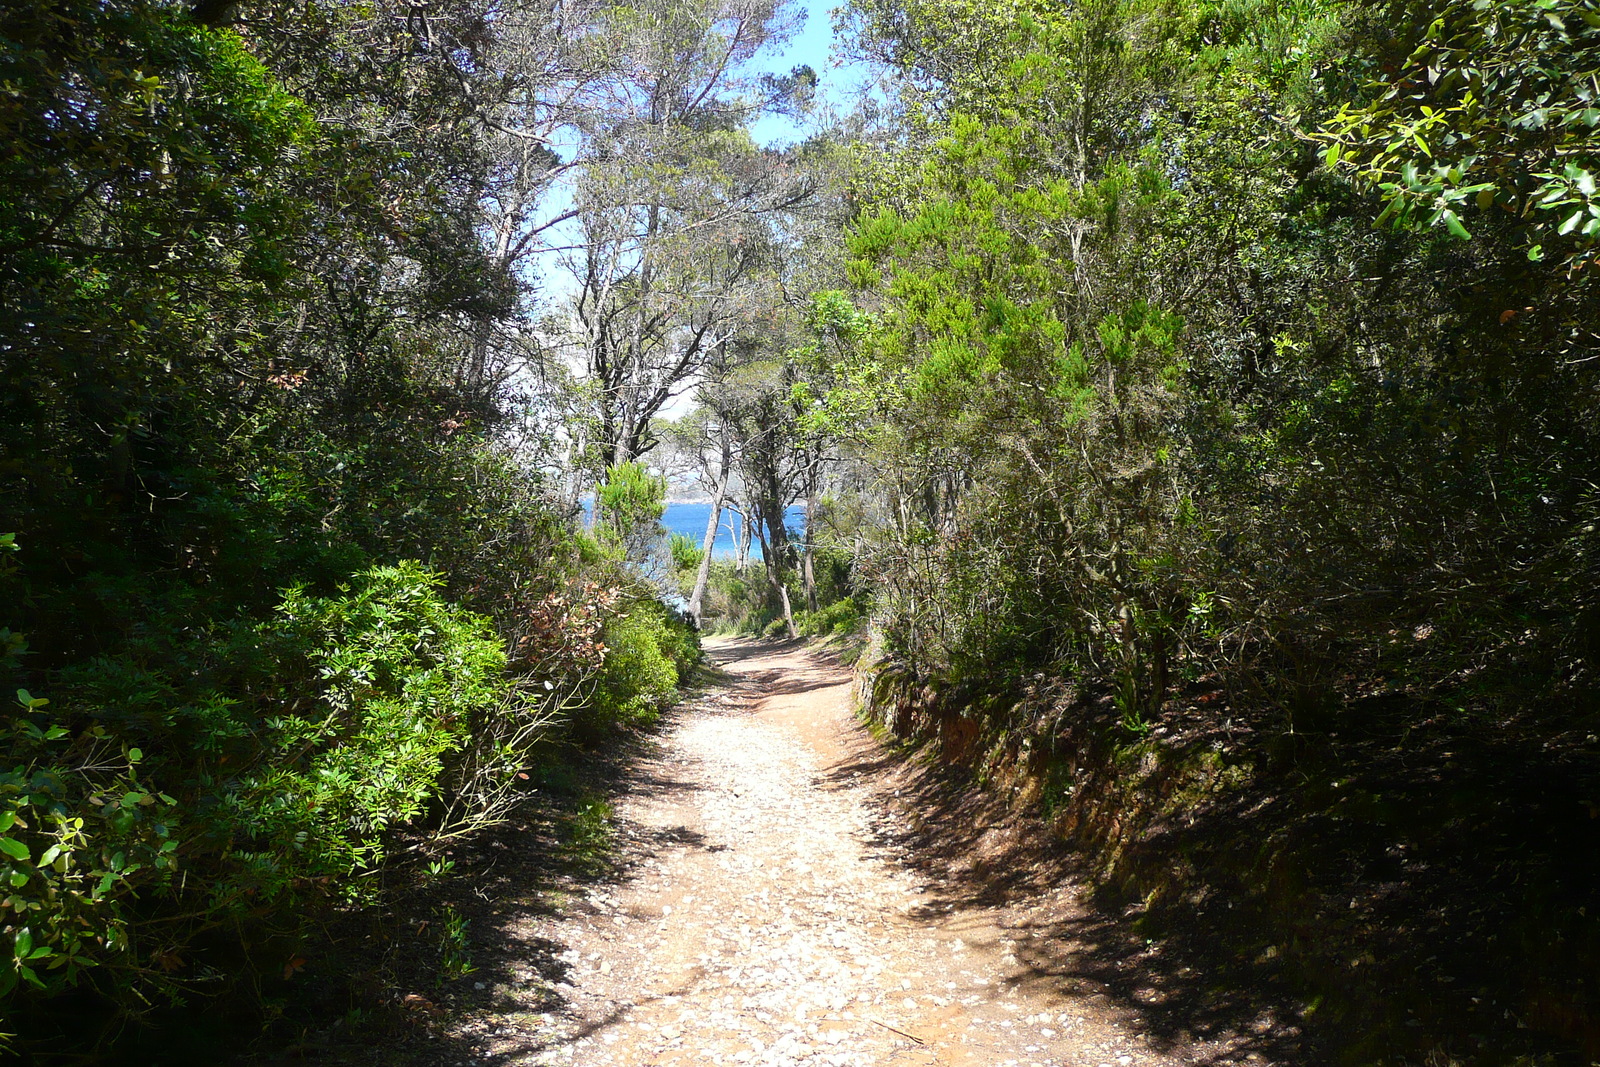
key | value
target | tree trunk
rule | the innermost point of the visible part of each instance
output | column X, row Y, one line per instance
column 742, row 542
column 770, row 508
column 788, row 615
column 703, row 575
column 808, row 572
column 774, row 567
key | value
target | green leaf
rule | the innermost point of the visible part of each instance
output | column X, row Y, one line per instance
column 14, row 848
column 23, row 943
column 135, row 755
column 1536, row 253
column 1453, row 224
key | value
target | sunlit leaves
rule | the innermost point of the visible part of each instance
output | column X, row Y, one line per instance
column 1494, row 111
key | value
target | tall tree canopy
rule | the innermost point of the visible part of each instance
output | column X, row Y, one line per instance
column 676, row 205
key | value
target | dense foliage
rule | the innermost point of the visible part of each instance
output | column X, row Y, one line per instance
column 1495, row 107
column 1149, row 386
column 1131, row 351
column 1231, row 366
column 282, row 601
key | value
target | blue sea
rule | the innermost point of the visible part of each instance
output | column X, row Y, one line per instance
column 690, row 520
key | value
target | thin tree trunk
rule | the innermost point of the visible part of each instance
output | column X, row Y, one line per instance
column 788, row 615
column 775, row 578
column 807, row 568
column 742, row 541
column 703, row 575
column 776, row 553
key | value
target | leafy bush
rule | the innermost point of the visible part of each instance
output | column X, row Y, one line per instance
column 77, row 828
column 379, row 687
column 686, row 555
column 312, row 738
column 649, row 648
column 842, row 618
column 739, row 601
column 217, row 760
column 629, row 505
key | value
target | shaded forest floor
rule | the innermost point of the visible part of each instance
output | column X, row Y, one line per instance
column 1410, row 884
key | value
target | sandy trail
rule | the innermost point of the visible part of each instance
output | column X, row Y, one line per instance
column 770, row 920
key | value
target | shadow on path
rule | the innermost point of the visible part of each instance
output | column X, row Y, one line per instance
column 510, row 884
column 974, row 855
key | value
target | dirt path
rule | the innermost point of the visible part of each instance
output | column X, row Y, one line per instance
column 771, row 916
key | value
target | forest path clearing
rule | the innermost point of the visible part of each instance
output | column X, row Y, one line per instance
column 772, row 914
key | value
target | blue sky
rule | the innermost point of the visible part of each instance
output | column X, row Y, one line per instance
column 813, row 46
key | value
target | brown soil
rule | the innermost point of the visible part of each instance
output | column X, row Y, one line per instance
column 778, row 903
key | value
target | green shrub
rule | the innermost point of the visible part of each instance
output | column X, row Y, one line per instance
column 239, row 779
column 679, row 640
column 686, row 555
column 78, row 833
column 379, row 687
column 842, row 618
column 628, row 508
column 740, row 602
column 648, row 649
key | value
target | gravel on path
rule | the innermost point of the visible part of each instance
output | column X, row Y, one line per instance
column 767, row 919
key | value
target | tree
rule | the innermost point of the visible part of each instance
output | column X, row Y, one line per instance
column 673, row 245
column 704, row 439
column 629, row 505
column 241, row 261
column 548, row 59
